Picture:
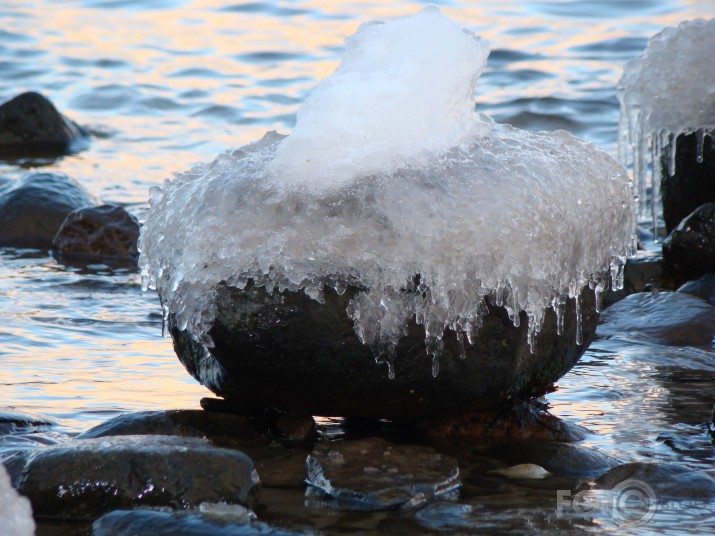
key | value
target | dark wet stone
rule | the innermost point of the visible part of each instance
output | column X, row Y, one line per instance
column 673, row 318
column 521, row 421
column 219, row 521
column 219, row 427
column 703, row 287
column 561, row 459
column 88, row 477
column 96, row 234
column 30, row 125
column 692, row 184
column 296, row 427
column 689, row 249
column 666, row 480
column 275, row 463
column 372, row 474
column 289, row 352
column 11, row 422
column 32, row 209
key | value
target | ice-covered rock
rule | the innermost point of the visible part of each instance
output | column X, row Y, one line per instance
column 427, row 206
column 667, row 91
column 15, row 510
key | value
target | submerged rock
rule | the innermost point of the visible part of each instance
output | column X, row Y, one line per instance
column 33, row 209
column 703, row 287
column 289, row 352
column 673, row 318
column 30, row 125
column 372, row 474
column 97, row 234
column 689, row 250
column 666, row 480
column 207, row 520
column 87, row 477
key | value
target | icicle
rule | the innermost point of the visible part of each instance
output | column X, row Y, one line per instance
column 531, row 334
column 598, row 293
column 558, row 304
column 579, row 327
column 462, row 350
column 700, row 137
column 390, row 370
column 656, row 150
column 435, row 366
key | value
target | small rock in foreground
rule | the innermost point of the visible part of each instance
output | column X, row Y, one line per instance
column 84, row 478
column 665, row 480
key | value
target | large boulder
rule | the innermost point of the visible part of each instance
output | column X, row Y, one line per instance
column 97, row 234
column 30, row 125
column 689, row 250
column 693, row 180
column 32, row 209
column 289, row 352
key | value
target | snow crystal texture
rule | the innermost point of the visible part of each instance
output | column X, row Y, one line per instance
column 526, row 219
column 666, row 91
column 15, row 510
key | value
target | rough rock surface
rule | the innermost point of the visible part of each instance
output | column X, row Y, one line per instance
column 30, row 125
column 693, row 182
column 88, row 477
column 92, row 234
column 32, row 209
column 289, row 352
column 689, row 249
column 703, row 287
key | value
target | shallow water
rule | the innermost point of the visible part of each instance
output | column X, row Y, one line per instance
column 165, row 86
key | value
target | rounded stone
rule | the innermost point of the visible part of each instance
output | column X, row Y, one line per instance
column 33, row 209
column 30, row 125
column 92, row 234
column 689, row 250
column 291, row 353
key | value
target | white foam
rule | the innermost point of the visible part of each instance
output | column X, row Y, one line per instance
column 666, row 91
column 15, row 510
column 525, row 218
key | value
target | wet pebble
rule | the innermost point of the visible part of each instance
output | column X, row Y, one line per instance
column 666, row 480
column 703, row 287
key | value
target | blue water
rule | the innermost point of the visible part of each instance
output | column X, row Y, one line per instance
column 168, row 83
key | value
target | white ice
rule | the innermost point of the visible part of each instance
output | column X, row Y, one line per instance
column 15, row 510
column 666, row 91
column 480, row 210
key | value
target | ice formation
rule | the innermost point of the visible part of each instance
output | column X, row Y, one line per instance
column 526, row 219
column 667, row 91
column 15, row 510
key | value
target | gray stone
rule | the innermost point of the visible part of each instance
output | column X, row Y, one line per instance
column 105, row 233
column 672, row 318
column 561, row 459
column 289, row 352
column 703, row 287
column 666, row 480
column 689, row 249
column 30, row 125
column 33, row 209
column 87, row 477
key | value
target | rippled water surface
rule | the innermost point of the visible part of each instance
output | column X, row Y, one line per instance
column 168, row 83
